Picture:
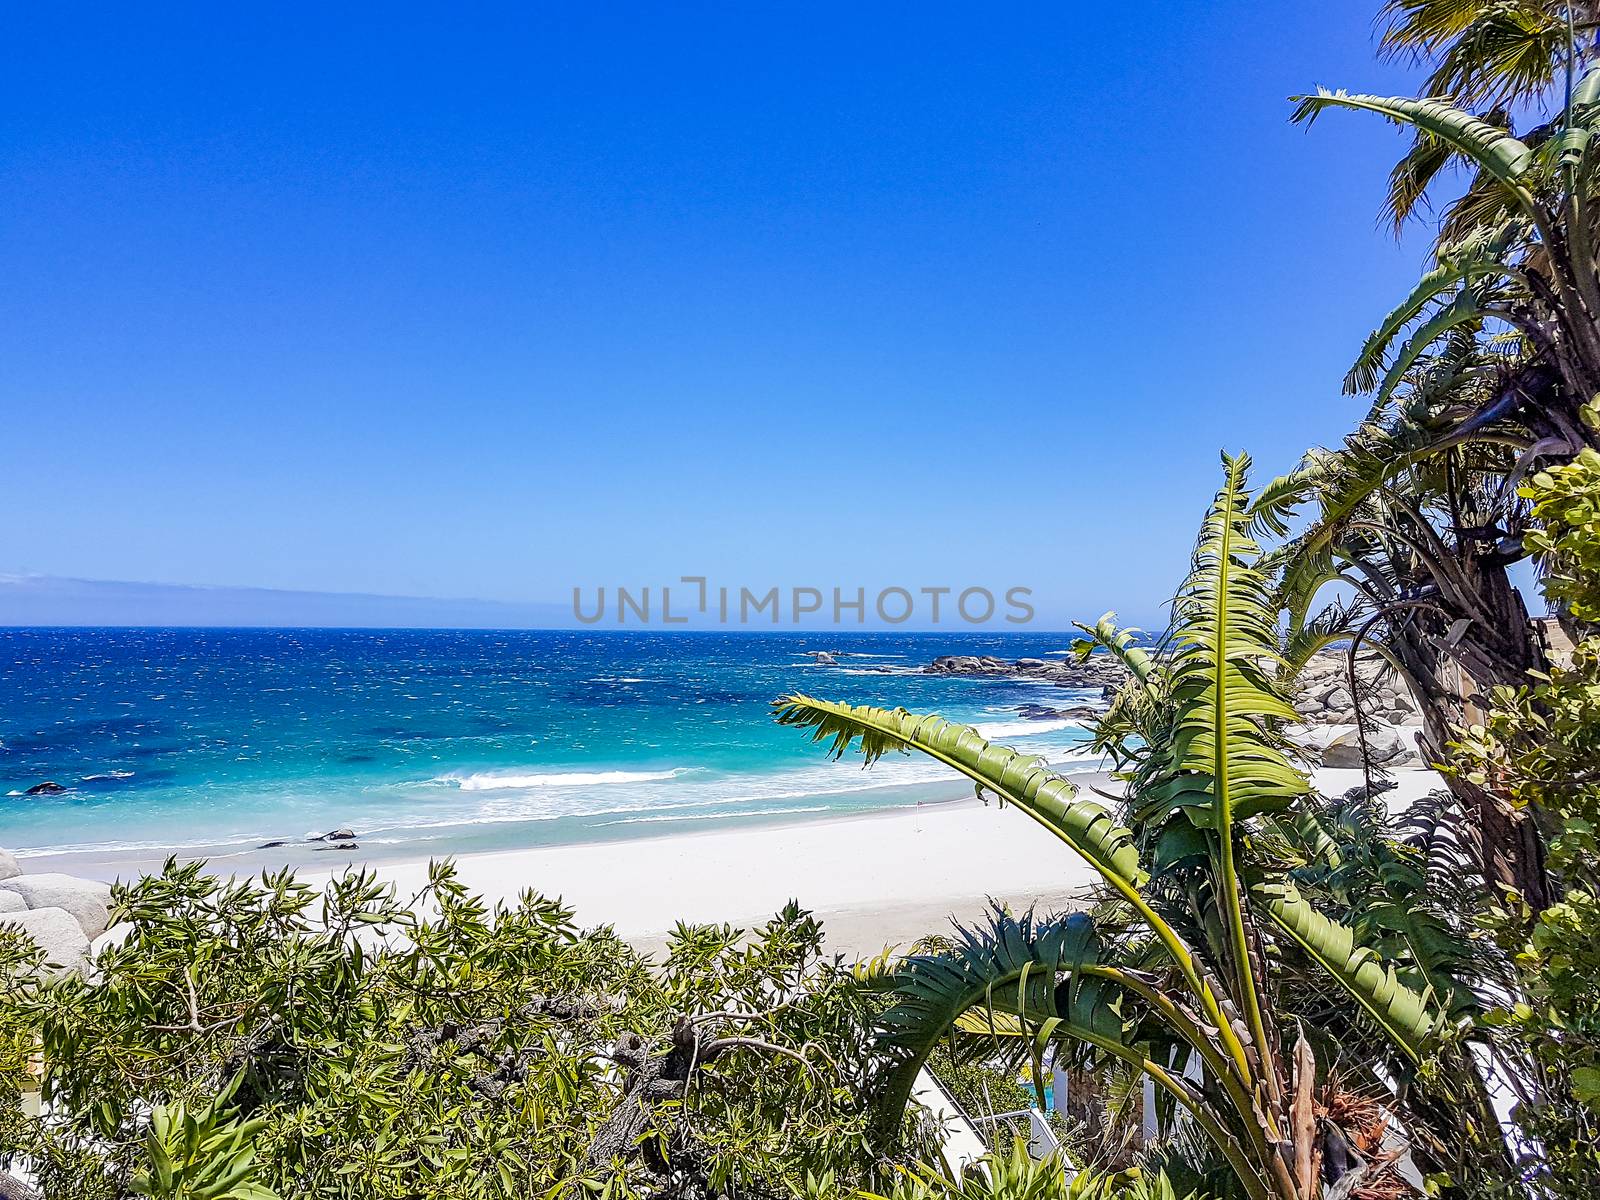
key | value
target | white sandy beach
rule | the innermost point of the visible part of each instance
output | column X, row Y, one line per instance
column 877, row 880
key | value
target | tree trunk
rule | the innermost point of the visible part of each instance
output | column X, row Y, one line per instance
column 1452, row 662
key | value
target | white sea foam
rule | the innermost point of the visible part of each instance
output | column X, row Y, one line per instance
column 498, row 781
column 647, row 819
column 1010, row 729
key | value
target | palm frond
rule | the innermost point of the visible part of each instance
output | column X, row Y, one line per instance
column 1491, row 148
column 1412, row 1019
column 1017, row 779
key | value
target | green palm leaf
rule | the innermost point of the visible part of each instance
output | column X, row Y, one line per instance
column 1013, row 967
column 1483, row 255
column 1018, row 779
column 1491, row 148
column 1117, row 641
column 1412, row 1019
column 1223, row 762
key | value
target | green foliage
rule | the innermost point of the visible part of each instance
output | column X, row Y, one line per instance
column 252, row 1039
column 1182, row 976
column 1538, row 750
column 1567, row 503
column 981, row 1085
column 1013, row 1175
column 200, row 1156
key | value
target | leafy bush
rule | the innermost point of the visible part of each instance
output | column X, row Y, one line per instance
column 252, row 1039
column 1540, row 749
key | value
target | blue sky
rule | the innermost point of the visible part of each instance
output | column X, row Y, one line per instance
column 501, row 300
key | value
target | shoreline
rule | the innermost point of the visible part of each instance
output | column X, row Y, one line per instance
column 874, row 879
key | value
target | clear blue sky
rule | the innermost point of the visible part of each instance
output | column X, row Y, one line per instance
column 493, row 300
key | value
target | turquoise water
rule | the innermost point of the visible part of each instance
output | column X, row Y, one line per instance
column 435, row 742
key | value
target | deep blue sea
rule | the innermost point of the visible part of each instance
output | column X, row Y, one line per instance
column 211, row 741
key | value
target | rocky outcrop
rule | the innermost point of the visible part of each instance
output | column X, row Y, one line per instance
column 1322, row 692
column 1043, row 712
column 9, row 867
column 48, row 788
column 1387, row 747
column 1099, row 671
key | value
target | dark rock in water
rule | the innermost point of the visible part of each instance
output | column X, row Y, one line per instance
column 48, row 788
column 347, row 846
column 337, row 835
column 1096, row 671
column 271, row 845
column 823, row 659
column 1043, row 712
column 1038, row 712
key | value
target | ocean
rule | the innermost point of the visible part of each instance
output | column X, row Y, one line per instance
column 428, row 743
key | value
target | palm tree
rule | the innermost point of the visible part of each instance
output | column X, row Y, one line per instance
column 1501, row 339
column 1214, row 916
column 1493, row 57
column 1488, row 368
column 1419, row 539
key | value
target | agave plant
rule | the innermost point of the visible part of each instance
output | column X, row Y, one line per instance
column 1194, row 1012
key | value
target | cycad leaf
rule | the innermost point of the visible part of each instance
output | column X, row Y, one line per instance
column 1493, row 149
column 996, row 975
column 1017, row 779
column 1412, row 1018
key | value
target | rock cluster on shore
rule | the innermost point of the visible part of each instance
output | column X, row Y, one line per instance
column 66, row 916
column 1328, row 710
column 1099, row 671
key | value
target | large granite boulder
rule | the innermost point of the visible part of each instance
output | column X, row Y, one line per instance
column 114, row 936
column 1386, row 747
column 9, row 867
column 11, row 902
column 58, row 933
column 85, row 899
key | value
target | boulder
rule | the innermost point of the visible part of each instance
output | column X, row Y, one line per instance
column 1339, row 700
column 1386, row 747
column 56, row 932
column 823, row 659
column 9, row 867
column 48, row 788
column 114, row 936
column 10, row 902
column 1343, row 751
column 85, row 899
column 339, row 835
column 1404, row 702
